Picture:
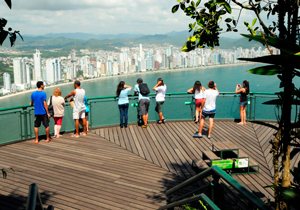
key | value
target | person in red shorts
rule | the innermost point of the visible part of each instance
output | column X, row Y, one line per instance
column 58, row 103
column 198, row 90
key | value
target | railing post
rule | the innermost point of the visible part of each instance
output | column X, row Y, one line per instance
column 217, row 193
column 90, row 114
column 254, row 99
column 25, row 121
column 250, row 111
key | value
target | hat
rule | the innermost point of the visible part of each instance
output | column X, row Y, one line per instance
column 140, row 80
column 211, row 83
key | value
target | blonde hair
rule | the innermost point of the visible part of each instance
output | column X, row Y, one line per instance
column 57, row 92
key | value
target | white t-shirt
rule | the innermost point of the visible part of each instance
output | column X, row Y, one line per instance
column 210, row 102
column 199, row 94
column 161, row 92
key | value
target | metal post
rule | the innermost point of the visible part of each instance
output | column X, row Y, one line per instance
column 250, row 111
column 217, row 194
column 21, row 124
column 25, row 120
column 254, row 98
column 90, row 115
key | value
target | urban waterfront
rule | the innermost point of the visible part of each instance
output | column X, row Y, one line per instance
column 226, row 78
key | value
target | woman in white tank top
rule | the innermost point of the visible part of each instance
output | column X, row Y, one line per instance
column 198, row 90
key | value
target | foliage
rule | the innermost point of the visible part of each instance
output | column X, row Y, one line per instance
column 8, row 33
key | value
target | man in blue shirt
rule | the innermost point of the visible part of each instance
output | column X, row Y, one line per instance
column 144, row 102
column 38, row 99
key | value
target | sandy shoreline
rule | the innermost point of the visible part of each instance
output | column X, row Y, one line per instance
column 138, row 73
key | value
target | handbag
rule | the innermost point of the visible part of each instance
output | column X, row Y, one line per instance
column 50, row 108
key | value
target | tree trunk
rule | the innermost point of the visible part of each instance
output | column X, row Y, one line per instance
column 275, row 149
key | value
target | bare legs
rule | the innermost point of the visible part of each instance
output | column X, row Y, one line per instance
column 145, row 118
column 86, row 124
column 161, row 117
column 211, row 125
column 197, row 110
column 36, row 131
column 243, row 115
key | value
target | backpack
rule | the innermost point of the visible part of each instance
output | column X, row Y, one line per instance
column 144, row 90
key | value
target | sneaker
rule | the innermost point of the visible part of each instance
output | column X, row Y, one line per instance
column 197, row 135
column 121, row 126
column 144, row 126
column 209, row 137
column 125, row 126
column 159, row 122
column 163, row 121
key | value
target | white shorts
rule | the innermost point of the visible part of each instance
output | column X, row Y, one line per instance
column 79, row 115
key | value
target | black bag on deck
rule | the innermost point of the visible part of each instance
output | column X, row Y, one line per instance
column 50, row 108
column 144, row 90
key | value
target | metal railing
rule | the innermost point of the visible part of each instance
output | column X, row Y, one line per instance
column 17, row 122
column 34, row 201
column 216, row 195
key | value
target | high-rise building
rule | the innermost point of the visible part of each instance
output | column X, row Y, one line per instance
column 141, row 52
column 6, row 82
column 37, row 61
column 53, row 70
column 19, row 70
column 73, row 61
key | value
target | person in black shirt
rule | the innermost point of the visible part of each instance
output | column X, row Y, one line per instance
column 244, row 91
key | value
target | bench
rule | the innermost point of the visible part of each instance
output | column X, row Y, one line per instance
column 210, row 155
column 199, row 164
column 225, row 147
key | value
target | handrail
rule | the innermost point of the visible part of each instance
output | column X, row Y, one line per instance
column 34, row 201
column 202, row 196
column 215, row 170
column 152, row 94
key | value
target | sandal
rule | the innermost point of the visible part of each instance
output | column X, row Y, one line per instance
column 75, row 136
column 83, row 134
column 36, row 142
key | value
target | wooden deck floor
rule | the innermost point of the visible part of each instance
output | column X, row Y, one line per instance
column 113, row 168
column 82, row 173
column 172, row 147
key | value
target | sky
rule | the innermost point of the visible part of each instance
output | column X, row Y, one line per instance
column 39, row 17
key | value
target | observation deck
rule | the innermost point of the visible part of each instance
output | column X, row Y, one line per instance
column 128, row 168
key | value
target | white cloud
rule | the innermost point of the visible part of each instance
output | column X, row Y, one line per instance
column 99, row 16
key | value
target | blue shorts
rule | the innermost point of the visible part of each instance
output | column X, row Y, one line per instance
column 243, row 103
column 209, row 114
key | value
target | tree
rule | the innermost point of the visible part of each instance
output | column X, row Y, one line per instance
column 282, row 34
column 8, row 33
column 12, row 37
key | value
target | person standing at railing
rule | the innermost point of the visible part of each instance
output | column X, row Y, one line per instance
column 87, row 111
column 244, row 91
column 78, row 107
column 160, row 89
column 123, row 102
column 142, row 90
column 208, row 107
column 41, row 113
column 198, row 90
column 58, row 104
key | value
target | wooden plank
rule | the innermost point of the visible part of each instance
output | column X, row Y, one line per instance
column 136, row 142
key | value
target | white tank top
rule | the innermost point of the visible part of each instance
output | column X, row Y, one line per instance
column 79, row 100
column 199, row 94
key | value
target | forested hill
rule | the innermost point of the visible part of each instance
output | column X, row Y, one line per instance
column 78, row 41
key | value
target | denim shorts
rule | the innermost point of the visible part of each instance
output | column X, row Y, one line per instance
column 243, row 103
column 209, row 114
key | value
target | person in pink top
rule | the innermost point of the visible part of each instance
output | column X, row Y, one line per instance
column 198, row 90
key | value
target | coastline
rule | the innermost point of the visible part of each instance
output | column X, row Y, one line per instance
column 135, row 73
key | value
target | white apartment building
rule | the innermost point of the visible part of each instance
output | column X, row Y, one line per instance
column 6, row 82
column 37, row 62
column 53, row 70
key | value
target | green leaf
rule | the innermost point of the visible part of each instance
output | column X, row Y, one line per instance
column 198, row 2
column 193, row 39
column 266, row 70
column 282, row 60
column 228, row 20
column 8, row 2
column 178, row 1
column 253, row 22
column 193, row 4
column 175, row 8
column 227, row 7
column 278, row 43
